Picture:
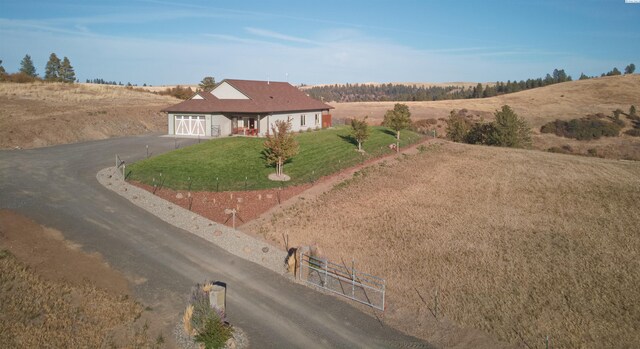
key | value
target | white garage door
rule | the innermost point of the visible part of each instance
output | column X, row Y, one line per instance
column 190, row 125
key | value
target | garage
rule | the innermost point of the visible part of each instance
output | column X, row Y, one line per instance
column 190, row 125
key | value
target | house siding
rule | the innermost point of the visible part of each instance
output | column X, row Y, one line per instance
column 223, row 122
column 267, row 122
column 226, row 91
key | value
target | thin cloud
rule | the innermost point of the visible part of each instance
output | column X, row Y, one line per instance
column 279, row 36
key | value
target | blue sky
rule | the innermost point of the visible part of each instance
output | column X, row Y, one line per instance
column 169, row 42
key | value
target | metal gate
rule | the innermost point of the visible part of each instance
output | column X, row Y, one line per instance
column 347, row 282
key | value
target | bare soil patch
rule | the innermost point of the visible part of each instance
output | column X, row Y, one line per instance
column 54, row 295
column 212, row 205
column 43, row 114
column 518, row 244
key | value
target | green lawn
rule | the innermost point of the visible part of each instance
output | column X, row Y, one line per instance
column 236, row 163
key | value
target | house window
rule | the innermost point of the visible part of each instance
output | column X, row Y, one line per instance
column 317, row 119
column 303, row 120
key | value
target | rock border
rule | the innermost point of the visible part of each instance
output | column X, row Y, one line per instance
column 232, row 240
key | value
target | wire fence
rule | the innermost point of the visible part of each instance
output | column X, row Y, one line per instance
column 342, row 280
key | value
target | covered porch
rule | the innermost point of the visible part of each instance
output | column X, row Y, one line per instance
column 245, row 125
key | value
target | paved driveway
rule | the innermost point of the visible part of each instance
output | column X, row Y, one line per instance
column 56, row 186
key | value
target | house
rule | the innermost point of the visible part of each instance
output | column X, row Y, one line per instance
column 246, row 107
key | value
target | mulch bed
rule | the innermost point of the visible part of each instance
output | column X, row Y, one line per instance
column 212, row 205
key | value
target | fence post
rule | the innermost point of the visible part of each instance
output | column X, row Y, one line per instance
column 353, row 278
column 326, row 272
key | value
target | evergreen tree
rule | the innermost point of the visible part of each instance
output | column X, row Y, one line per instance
column 477, row 92
column 66, row 72
column 52, row 69
column 583, row 77
column 632, row 110
column 27, row 67
column 2, row 71
column 207, row 84
column 630, row 69
column 509, row 130
column 614, row 72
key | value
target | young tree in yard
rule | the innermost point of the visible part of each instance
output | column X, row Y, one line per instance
column 397, row 119
column 280, row 145
column 27, row 67
column 52, row 68
column 66, row 72
column 630, row 69
column 360, row 131
column 509, row 130
column 207, row 84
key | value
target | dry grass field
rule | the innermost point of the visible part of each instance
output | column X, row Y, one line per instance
column 52, row 295
column 518, row 243
column 538, row 106
column 43, row 114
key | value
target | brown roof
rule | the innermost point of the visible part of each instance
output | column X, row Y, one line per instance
column 264, row 97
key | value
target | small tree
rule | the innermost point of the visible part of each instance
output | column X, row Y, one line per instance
column 52, row 69
column 280, row 145
column 27, row 67
column 457, row 127
column 397, row 119
column 66, row 72
column 360, row 131
column 2, row 72
column 509, row 130
column 630, row 69
column 632, row 110
column 207, row 84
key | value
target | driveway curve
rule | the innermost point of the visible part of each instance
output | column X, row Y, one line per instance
column 57, row 187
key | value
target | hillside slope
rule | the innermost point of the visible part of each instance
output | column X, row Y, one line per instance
column 565, row 101
column 43, row 114
column 538, row 106
column 518, row 243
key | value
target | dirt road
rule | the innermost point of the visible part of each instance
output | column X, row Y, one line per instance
column 57, row 187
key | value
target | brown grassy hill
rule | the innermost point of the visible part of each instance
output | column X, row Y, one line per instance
column 43, row 114
column 519, row 243
column 538, row 106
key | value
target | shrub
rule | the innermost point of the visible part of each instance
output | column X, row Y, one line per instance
column 565, row 149
column 178, row 92
column 634, row 132
column 583, row 129
column 206, row 322
column 457, row 127
column 479, row 133
column 20, row 78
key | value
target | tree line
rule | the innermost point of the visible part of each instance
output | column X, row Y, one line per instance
column 398, row 92
column 55, row 70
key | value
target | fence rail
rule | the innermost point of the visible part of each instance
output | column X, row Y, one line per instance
column 347, row 282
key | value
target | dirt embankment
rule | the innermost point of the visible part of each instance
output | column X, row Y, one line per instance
column 43, row 114
column 54, row 295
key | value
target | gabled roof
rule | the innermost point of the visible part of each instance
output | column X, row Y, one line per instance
column 264, row 97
